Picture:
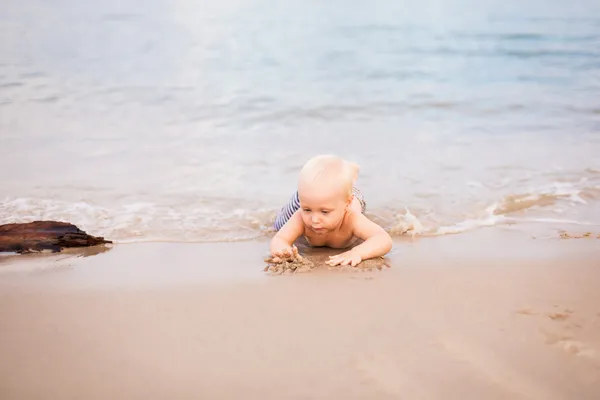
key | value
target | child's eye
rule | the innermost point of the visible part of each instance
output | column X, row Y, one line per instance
column 325, row 212
column 306, row 209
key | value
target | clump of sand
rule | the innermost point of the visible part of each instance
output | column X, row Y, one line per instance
column 289, row 263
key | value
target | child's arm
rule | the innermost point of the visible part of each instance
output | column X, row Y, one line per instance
column 377, row 242
column 289, row 232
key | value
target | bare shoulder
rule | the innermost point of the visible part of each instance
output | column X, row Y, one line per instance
column 363, row 227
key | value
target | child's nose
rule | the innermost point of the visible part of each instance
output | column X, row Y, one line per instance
column 315, row 219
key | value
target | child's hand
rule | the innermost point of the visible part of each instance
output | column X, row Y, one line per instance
column 283, row 250
column 350, row 257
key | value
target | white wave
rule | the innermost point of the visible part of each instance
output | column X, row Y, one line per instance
column 408, row 224
column 215, row 220
column 489, row 218
column 144, row 221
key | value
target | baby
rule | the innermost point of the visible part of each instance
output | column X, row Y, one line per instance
column 328, row 210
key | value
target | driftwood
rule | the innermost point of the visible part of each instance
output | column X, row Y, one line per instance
column 44, row 235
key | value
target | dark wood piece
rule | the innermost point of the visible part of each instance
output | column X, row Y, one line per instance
column 44, row 235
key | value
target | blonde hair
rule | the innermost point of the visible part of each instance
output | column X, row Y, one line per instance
column 332, row 169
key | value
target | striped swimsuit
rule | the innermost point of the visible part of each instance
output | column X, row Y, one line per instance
column 293, row 205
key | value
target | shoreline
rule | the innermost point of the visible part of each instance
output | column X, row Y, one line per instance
column 152, row 264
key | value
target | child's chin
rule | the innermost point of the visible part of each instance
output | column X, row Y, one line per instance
column 319, row 231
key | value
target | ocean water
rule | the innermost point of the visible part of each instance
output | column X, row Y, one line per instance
column 189, row 120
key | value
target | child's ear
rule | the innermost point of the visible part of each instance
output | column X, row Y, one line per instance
column 349, row 201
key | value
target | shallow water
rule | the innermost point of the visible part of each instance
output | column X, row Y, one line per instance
column 188, row 121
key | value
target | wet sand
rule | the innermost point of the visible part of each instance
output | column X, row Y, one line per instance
column 483, row 316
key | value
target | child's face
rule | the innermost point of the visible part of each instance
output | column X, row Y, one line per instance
column 323, row 208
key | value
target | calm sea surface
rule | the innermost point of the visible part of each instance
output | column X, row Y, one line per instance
column 189, row 120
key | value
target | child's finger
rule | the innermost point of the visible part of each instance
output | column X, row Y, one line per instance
column 333, row 262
